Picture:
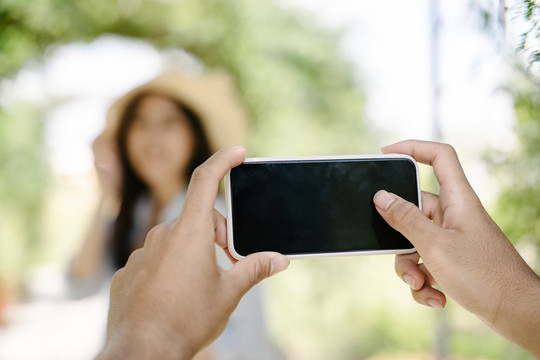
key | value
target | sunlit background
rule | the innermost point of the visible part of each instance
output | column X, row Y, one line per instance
column 316, row 77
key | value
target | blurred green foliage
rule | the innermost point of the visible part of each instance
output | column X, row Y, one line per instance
column 351, row 314
column 522, row 13
column 518, row 208
column 357, row 308
column 529, row 41
column 302, row 98
column 289, row 71
column 23, row 180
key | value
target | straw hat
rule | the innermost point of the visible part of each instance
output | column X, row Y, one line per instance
column 212, row 97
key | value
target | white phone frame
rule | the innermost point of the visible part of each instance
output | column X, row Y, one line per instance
column 230, row 239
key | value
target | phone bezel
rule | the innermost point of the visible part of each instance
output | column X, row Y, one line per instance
column 230, row 238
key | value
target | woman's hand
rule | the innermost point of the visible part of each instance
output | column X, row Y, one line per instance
column 108, row 167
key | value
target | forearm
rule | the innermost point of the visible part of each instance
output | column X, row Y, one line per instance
column 89, row 258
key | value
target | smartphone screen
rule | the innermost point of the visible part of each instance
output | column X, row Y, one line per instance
column 316, row 207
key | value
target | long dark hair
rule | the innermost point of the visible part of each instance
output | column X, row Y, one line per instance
column 133, row 186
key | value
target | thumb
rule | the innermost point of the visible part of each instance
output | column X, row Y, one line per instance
column 256, row 267
column 405, row 217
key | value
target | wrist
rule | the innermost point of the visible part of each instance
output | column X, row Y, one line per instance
column 145, row 342
column 518, row 315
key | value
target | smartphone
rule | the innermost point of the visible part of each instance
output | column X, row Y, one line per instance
column 316, row 206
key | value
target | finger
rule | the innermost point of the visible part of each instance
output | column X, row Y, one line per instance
column 104, row 160
column 254, row 268
column 430, row 206
column 428, row 278
column 220, row 229
column 228, row 253
column 98, row 143
column 442, row 157
column 406, row 267
column 135, row 260
column 204, row 185
column 429, row 296
column 129, row 271
column 406, row 218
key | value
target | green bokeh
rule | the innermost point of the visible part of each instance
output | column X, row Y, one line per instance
column 289, row 72
column 303, row 98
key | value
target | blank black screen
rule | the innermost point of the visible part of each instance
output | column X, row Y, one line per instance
column 317, row 206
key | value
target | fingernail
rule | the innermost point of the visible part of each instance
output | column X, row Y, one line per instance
column 383, row 199
column 435, row 304
column 278, row 264
column 410, row 281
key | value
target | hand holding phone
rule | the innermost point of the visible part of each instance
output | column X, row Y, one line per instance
column 316, row 206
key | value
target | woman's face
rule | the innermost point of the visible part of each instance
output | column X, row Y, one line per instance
column 160, row 141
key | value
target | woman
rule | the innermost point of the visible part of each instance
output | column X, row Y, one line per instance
column 156, row 135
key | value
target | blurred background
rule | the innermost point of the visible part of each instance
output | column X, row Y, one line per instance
column 316, row 77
